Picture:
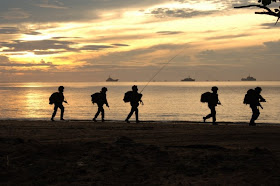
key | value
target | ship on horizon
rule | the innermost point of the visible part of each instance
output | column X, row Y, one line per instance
column 188, row 79
column 111, row 79
column 249, row 78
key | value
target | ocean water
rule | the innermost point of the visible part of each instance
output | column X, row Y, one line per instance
column 163, row 101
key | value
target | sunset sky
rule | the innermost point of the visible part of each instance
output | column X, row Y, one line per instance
column 88, row 40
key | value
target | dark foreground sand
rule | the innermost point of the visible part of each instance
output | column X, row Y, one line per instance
column 116, row 153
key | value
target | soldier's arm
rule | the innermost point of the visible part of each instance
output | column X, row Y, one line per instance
column 261, row 99
column 106, row 102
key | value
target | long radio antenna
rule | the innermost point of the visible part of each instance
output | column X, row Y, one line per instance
column 162, row 69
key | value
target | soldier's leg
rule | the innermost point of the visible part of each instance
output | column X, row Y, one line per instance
column 130, row 114
column 209, row 115
column 61, row 111
column 97, row 113
column 255, row 114
column 136, row 114
column 213, row 114
column 54, row 111
column 102, row 113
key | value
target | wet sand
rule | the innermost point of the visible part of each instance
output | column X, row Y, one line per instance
column 149, row 153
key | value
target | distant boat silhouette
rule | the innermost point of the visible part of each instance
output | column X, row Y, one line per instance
column 111, row 79
column 249, row 78
column 188, row 79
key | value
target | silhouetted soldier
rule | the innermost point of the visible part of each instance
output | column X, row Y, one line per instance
column 134, row 98
column 213, row 101
column 101, row 100
column 58, row 98
column 254, row 98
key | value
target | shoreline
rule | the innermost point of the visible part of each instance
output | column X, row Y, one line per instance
column 141, row 122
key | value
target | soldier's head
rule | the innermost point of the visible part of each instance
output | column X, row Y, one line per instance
column 258, row 89
column 104, row 89
column 134, row 88
column 61, row 88
column 214, row 89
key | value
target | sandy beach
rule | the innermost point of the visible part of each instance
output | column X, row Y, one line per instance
column 149, row 153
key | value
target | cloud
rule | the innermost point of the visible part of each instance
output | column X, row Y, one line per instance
column 270, row 25
column 119, row 44
column 55, row 4
column 104, row 39
column 95, row 47
column 16, row 30
column 32, row 33
column 139, row 58
column 9, row 30
column 38, row 46
column 169, row 32
column 260, row 55
column 5, row 62
column 181, row 13
column 229, row 36
column 14, row 14
column 64, row 10
column 4, row 59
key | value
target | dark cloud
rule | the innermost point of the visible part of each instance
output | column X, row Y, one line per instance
column 261, row 61
column 140, row 57
column 15, row 30
column 96, row 47
column 182, row 13
column 9, row 30
column 270, row 25
column 229, row 36
column 262, row 55
column 5, row 62
column 169, row 32
column 38, row 46
column 104, row 39
column 4, row 59
column 32, row 33
column 118, row 44
column 66, row 37
column 46, row 52
column 16, row 11
column 235, row 3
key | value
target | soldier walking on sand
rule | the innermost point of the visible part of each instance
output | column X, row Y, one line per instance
column 253, row 98
column 57, row 99
column 101, row 100
column 213, row 101
column 134, row 98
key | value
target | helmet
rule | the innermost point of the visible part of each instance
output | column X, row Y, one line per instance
column 214, row 88
column 134, row 87
column 60, row 88
column 259, row 89
column 104, row 89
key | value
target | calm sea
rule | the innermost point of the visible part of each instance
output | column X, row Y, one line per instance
column 163, row 101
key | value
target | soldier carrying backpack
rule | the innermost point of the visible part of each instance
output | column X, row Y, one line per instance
column 253, row 98
column 100, row 99
column 134, row 98
column 57, row 99
column 212, row 100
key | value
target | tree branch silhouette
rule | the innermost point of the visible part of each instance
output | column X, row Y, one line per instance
column 275, row 12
